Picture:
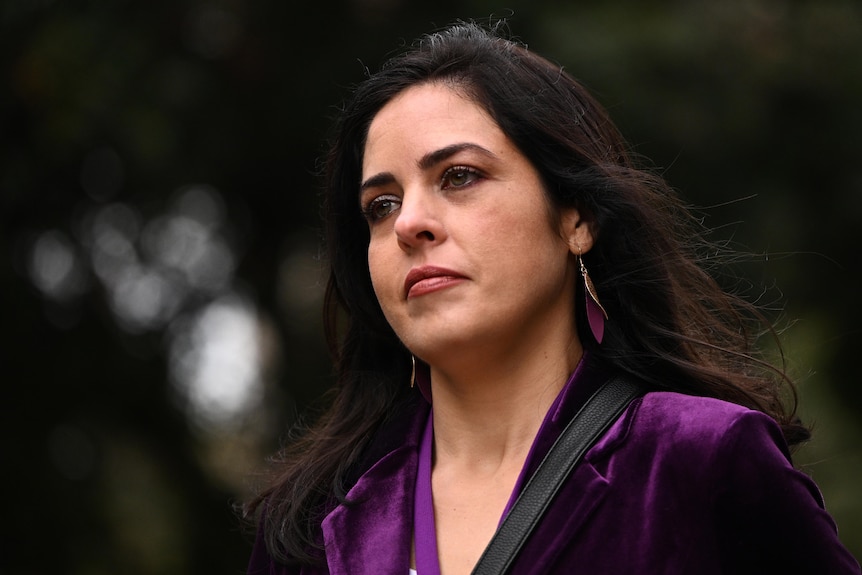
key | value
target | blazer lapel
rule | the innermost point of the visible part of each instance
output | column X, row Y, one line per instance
column 373, row 532
column 572, row 511
column 577, row 504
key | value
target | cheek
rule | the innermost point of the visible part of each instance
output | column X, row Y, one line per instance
column 383, row 273
column 530, row 246
column 374, row 268
column 516, row 231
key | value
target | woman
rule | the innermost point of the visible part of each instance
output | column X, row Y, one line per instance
column 491, row 239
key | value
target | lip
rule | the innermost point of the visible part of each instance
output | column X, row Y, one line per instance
column 427, row 279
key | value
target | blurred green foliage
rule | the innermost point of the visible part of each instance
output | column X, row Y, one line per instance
column 158, row 187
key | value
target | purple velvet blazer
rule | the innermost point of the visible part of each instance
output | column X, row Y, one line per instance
column 679, row 484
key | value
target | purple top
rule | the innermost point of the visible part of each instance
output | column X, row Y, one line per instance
column 679, row 484
column 424, row 529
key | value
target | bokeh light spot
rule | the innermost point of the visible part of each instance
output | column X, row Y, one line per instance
column 215, row 361
column 55, row 268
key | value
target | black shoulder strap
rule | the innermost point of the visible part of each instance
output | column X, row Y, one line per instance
column 593, row 419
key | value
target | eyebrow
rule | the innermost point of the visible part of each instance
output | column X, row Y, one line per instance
column 427, row 161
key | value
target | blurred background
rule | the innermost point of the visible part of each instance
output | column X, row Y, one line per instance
column 159, row 237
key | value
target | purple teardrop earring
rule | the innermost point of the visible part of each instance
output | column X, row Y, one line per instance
column 596, row 314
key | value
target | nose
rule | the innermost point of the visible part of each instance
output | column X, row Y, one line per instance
column 418, row 221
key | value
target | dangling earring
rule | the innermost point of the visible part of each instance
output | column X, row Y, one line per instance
column 596, row 314
column 412, row 371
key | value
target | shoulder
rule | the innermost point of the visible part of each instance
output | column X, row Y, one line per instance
column 669, row 406
column 697, row 436
column 724, row 471
column 669, row 416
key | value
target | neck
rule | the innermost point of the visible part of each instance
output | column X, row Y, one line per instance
column 488, row 417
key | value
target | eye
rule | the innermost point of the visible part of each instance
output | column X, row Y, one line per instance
column 380, row 207
column 459, row 177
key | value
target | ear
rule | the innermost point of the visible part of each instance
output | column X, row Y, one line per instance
column 576, row 231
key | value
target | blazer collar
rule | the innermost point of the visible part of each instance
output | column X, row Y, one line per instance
column 372, row 532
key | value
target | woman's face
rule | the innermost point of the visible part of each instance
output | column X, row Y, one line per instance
column 464, row 255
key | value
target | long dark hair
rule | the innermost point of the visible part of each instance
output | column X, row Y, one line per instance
column 670, row 323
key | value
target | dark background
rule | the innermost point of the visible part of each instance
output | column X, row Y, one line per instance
column 159, row 233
